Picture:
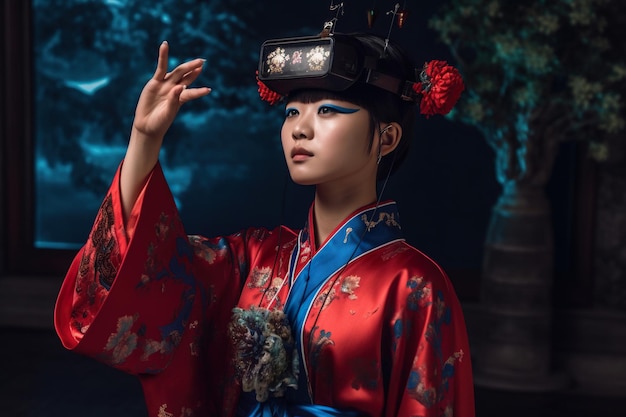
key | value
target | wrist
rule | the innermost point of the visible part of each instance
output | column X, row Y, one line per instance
column 143, row 150
column 145, row 139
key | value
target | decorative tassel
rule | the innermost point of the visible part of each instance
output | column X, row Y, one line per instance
column 372, row 14
column 402, row 16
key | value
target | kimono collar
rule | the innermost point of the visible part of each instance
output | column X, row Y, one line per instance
column 363, row 231
column 366, row 229
column 372, row 216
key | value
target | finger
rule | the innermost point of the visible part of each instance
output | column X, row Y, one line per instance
column 161, row 69
column 189, row 94
column 174, row 95
column 185, row 68
column 191, row 76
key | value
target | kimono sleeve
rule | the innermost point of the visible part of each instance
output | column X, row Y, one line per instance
column 134, row 295
column 431, row 373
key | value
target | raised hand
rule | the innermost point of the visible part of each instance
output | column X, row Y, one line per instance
column 157, row 107
column 165, row 93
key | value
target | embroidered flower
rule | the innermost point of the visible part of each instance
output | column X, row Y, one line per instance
column 420, row 388
column 272, row 97
column 324, row 299
column 154, row 346
column 123, row 342
column 305, row 252
column 271, row 292
column 441, row 86
column 259, row 276
column 163, row 411
column 321, row 340
column 349, row 285
column 420, row 295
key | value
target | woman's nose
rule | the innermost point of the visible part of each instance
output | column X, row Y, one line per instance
column 302, row 130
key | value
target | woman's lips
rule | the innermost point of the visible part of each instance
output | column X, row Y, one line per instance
column 300, row 154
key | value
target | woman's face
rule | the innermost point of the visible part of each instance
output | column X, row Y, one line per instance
column 327, row 142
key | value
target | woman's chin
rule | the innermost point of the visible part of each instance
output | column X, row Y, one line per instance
column 303, row 181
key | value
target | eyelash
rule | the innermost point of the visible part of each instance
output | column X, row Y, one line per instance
column 290, row 112
column 321, row 110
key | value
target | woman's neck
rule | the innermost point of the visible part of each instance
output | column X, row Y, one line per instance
column 332, row 206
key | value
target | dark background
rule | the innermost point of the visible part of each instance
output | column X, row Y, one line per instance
column 52, row 185
column 222, row 156
column 231, row 170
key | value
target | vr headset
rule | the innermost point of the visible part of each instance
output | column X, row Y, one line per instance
column 333, row 62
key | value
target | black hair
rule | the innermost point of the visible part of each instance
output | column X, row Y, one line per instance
column 383, row 106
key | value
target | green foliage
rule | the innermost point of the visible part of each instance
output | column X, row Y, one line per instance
column 538, row 70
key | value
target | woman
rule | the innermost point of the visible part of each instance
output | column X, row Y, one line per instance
column 340, row 318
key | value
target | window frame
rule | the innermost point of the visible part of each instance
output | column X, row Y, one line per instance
column 19, row 255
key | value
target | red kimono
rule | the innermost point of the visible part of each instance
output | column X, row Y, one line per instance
column 377, row 326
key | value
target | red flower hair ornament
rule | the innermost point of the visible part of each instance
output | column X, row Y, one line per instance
column 440, row 87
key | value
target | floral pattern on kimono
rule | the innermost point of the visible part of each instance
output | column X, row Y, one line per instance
column 381, row 335
column 150, row 300
column 384, row 333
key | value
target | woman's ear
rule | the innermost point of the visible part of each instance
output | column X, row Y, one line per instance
column 389, row 138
